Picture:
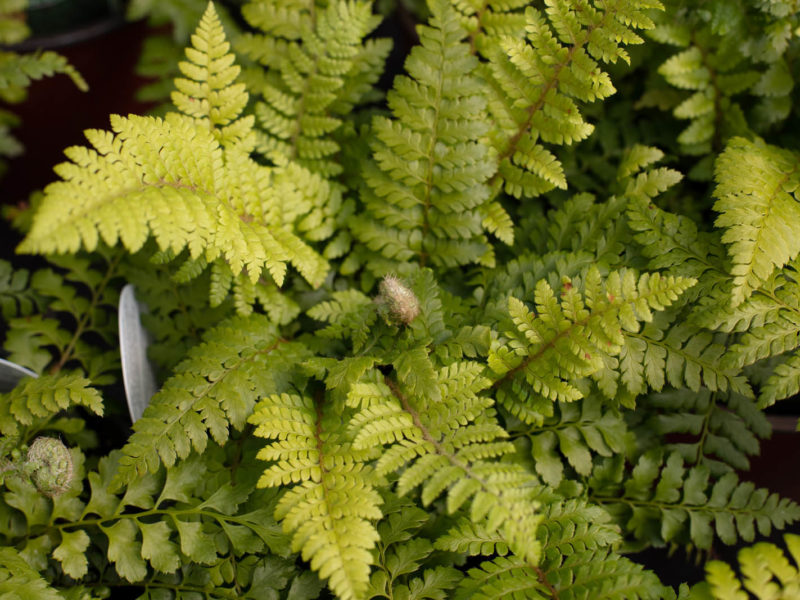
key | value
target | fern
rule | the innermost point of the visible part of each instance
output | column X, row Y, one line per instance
column 725, row 428
column 766, row 571
column 329, row 512
column 75, row 324
column 412, row 211
column 206, row 518
column 18, row 70
column 29, row 405
column 413, row 411
column 576, row 433
column 421, row 429
column 578, row 560
column 186, row 180
column 247, row 354
column 661, row 501
column 573, row 337
column 751, row 203
column 314, row 85
column 401, row 553
column 16, row 298
column 724, row 54
column 537, row 83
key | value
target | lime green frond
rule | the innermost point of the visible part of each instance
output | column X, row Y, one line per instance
column 427, row 186
column 186, row 181
column 766, row 572
column 538, row 80
column 171, row 180
column 331, row 510
column 237, row 361
column 757, row 207
column 771, row 339
column 35, row 400
column 662, row 501
column 573, row 335
column 442, row 437
column 208, row 91
column 316, row 82
column 279, row 24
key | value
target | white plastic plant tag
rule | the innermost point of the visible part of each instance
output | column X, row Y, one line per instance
column 137, row 372
column 11, row 373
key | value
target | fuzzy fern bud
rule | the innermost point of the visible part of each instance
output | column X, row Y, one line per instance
column 396, row 301
column 49, row 465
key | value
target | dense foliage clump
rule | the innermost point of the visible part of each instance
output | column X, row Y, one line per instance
column 473, row 337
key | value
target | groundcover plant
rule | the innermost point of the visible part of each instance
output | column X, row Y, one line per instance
column 482, row 335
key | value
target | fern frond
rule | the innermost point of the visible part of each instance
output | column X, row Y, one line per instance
column 18, row 70
column 757, row 208
column 672, row 243
column 444, row 436
column 184, row 181
column 577, row 432
column 76, row 325
column 661, row 501
column 784, row 382
column 487, row 20
column 771, row 339
column 318, row 79
column 348, row 314
column 537, row 82
column 580, row 225
column 330, row 512
column 571, row 337
column 680, row 356
column 402, row 552
column 725, row 428
column 428, row 184
column 577, row 561
column 201, row 518
column 721, row 56
column 216, row 387
column 766, row 572
column 18, row 580
column 35, row 400
column 16, row 298
column 208, row 91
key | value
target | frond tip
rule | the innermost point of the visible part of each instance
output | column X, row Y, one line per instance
column 758, row 205
column 331, row 511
